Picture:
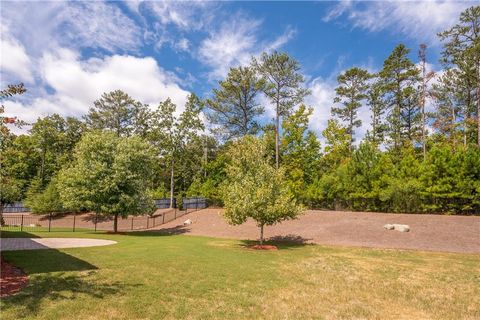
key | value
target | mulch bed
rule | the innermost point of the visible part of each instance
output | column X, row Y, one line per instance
column 12, row 279
column 262, row 247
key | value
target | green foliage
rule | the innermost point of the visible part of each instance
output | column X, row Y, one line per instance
column 254, row 189
column 234, row 107
column 351, row 91
column 399, row 78
column 301, row 151
column 109, row 175
column 44, row 201
column 116, row 111
column 283, row 87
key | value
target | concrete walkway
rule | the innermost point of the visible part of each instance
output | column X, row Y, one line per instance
column 9, row 244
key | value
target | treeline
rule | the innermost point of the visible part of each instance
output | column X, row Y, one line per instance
column 420, row 154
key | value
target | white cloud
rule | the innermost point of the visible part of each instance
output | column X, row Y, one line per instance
column 99, row 25
column 182, row 45
column 231, row 45
column 234, row 44
column 76, row 84
column 419, row 20
column 94, row 24
column 15, row 65
column 321, row 99
column 187, row 15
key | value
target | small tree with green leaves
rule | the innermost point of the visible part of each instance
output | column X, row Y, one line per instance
column 254, row 189
column 44, row 201
column 109, row 175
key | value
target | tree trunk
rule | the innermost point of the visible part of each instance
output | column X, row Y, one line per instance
column 478, row 104
column 115, row 223
column 172, row 184
column 277, row 137
column 261, row 234
column 42, row 168
column 2, row 221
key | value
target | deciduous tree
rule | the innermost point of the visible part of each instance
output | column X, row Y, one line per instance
column 109, row 175
column 254, row 189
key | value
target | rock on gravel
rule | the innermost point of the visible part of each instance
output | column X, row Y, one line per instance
column 398, row 227
column 187, row 222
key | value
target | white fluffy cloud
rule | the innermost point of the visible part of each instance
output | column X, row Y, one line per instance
column 76, row 84
column 94, row 24
column 419, row 20
column 14, row 62
column 234, row 43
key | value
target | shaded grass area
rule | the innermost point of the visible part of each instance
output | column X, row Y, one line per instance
column 154, row 275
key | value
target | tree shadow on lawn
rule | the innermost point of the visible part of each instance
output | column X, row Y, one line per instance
column 50, row 278
column 177, row 230
column 289, row 241
column 60, row 287
column 45, row 261
column 17, row 234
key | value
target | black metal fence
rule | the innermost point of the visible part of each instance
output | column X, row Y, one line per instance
column 90, row 221
column 15, row 208
column 165, row 203
column 194, row 203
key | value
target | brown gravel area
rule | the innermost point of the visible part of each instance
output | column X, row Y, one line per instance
column 364, row 229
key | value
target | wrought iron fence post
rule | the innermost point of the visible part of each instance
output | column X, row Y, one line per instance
column 154, row 222
column 163, row 218
column 175, row 215
column 96, row 218
column 21, row 224
column 74, row 219
column 49, row 221
column 147, row 222
column 132, row 223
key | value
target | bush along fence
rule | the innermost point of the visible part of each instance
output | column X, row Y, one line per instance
column 91, row 221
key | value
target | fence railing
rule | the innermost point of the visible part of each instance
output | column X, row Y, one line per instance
column 89, row 221
column 165, row 203
column 15, row 208
column 194, row 203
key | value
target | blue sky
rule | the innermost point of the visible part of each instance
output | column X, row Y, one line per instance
column 68, row 53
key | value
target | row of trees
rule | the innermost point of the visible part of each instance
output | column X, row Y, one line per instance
column 421, row 152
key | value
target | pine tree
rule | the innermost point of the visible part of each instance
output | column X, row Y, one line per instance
column 234, row 106
column 350, row 94
column 424, row 94
column 377, row 108
column 399, row 78
column 116, row 111
column 462, row 50
column 284, row 87
column 449, row 106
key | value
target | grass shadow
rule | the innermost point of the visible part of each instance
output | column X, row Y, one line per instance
column 60, row 287
column 45, row 261
column 289, row 241
column 16, row 234
column 177, row 230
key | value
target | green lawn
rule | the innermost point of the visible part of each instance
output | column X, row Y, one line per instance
column 150, row 276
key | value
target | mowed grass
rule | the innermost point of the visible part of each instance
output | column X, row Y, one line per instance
column 152, row 276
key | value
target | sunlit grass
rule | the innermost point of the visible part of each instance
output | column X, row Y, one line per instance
column 149, row 276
